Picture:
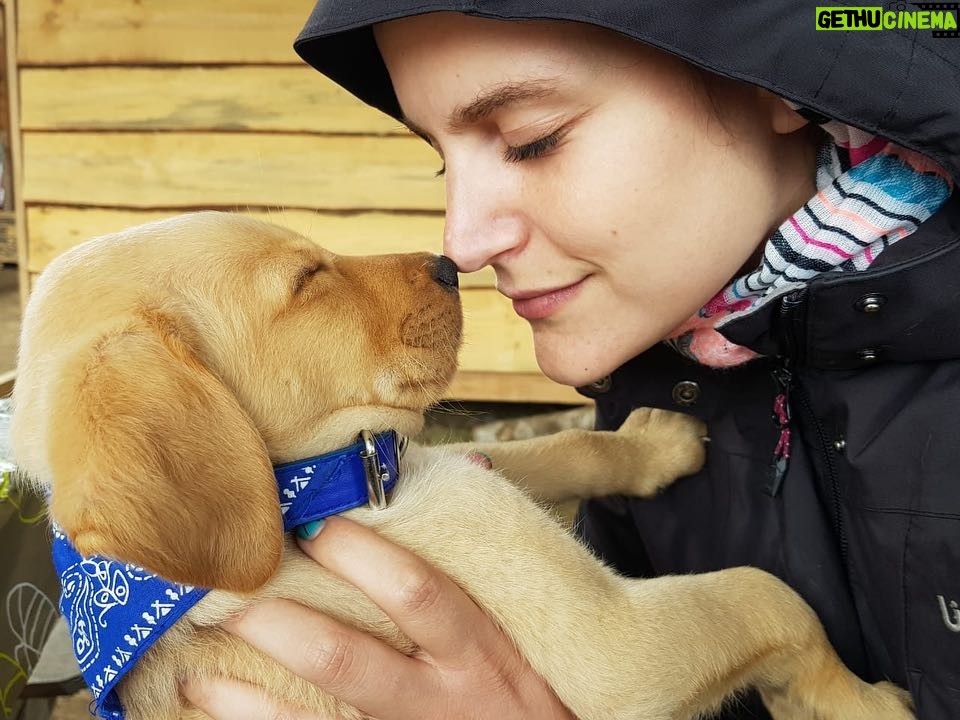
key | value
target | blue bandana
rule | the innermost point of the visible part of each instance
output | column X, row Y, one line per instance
column 116, row 611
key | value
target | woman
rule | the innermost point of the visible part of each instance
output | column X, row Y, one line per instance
column 777, row 209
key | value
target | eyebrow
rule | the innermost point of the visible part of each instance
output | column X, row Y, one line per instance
column 490, row 100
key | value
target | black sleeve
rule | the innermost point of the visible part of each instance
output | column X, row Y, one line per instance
column 606, row 526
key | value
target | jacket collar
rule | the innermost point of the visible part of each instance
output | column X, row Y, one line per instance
column 903, row 308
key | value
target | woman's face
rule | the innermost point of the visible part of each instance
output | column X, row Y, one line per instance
column 611, row 191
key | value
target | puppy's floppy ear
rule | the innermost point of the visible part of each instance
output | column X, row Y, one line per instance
column 154, row 462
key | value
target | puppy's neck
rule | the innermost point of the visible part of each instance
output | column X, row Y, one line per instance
column 340, row 429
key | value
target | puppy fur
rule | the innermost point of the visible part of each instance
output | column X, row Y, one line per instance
column 200, row 351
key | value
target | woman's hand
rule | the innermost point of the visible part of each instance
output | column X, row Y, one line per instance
column 466, row 667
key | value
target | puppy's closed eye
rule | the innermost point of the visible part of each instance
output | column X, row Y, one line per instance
column 304, row 275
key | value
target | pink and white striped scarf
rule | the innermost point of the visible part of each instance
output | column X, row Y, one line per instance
column 870, row 194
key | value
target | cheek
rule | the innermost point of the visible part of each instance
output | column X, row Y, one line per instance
column 317, row 356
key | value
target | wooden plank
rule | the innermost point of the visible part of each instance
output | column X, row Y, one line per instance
column 90, row 32
column 9, row 249
column 278, row 98
column 52, row 230
column 495, row 339
column 8, row 77
column 471, row 386
column 16, row 148
column 497, row 361
column 512, row 387
column 8, row 238
column 189, row 170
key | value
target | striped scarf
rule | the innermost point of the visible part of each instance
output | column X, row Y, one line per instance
column 870, row 194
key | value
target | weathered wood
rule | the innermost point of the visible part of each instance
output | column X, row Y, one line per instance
column 468, row 386
column 512, row 387
column 8, row 80
column 16, row 154
column 262, row 98
column 90, row 32
column 8, row 238
column 187, row 170
column 495, row 339
column 244, row 126
column 52, row 230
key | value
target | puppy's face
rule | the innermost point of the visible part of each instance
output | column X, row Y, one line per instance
column 298, row 333
column 164, row 369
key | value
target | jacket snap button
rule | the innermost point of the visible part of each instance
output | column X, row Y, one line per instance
column 602, row 385
column 839, row 445
column 868, row 355
column 686, row 392
column 870, row 303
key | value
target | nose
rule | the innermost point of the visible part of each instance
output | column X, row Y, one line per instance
column 481, row 220
column 444, row 273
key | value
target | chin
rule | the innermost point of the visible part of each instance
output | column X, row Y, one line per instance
column 572, row 368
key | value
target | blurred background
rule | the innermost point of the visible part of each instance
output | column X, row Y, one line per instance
column 117, row 112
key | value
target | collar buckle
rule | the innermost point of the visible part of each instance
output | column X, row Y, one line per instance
column 377, row 474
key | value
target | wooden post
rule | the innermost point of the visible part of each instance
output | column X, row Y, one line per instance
column 11, row 120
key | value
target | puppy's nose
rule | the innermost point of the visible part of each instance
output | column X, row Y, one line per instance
column 444, row 273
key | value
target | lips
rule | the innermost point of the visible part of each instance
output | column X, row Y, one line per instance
column 541, row 304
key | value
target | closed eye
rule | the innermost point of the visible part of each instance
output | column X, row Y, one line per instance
column 536, row 149
column 304, row 275
column 529, row 151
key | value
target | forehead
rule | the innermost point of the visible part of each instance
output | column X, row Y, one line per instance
column 445, row 31
column 471, row 52
column 443, row 66
column 218, row 250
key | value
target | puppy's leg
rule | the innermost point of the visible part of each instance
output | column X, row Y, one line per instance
column 752, row 629
column 677, row 648
column 652, row 449
column 616, row 648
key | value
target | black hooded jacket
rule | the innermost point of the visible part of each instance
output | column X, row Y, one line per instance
column 866, row 522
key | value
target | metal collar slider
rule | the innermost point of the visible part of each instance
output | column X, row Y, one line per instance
column 377, row 475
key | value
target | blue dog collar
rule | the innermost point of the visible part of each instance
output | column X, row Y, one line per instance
column 116, row 611
column 339, row 481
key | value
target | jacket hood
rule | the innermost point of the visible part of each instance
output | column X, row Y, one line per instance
column 902, row 84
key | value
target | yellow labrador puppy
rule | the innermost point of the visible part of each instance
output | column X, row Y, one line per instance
column 171, row 375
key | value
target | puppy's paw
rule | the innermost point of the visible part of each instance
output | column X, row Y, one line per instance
column 889, row 701
column 840, row 696
column 663, row 446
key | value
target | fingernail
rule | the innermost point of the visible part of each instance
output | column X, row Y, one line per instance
column 308, row 531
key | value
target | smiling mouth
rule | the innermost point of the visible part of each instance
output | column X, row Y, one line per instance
column 541, row 304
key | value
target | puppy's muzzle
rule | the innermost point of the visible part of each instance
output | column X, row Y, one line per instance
column 444, row 273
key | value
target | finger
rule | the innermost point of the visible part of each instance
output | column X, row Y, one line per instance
column 226, row 699
column 351, row 665
column 424, row 603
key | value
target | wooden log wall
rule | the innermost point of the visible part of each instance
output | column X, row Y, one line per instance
column 132, row 110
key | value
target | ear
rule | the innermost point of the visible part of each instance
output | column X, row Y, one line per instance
column 154, row 462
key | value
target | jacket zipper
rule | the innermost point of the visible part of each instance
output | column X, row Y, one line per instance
column 781, row 416
column 831, row 472
column 784, row 377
